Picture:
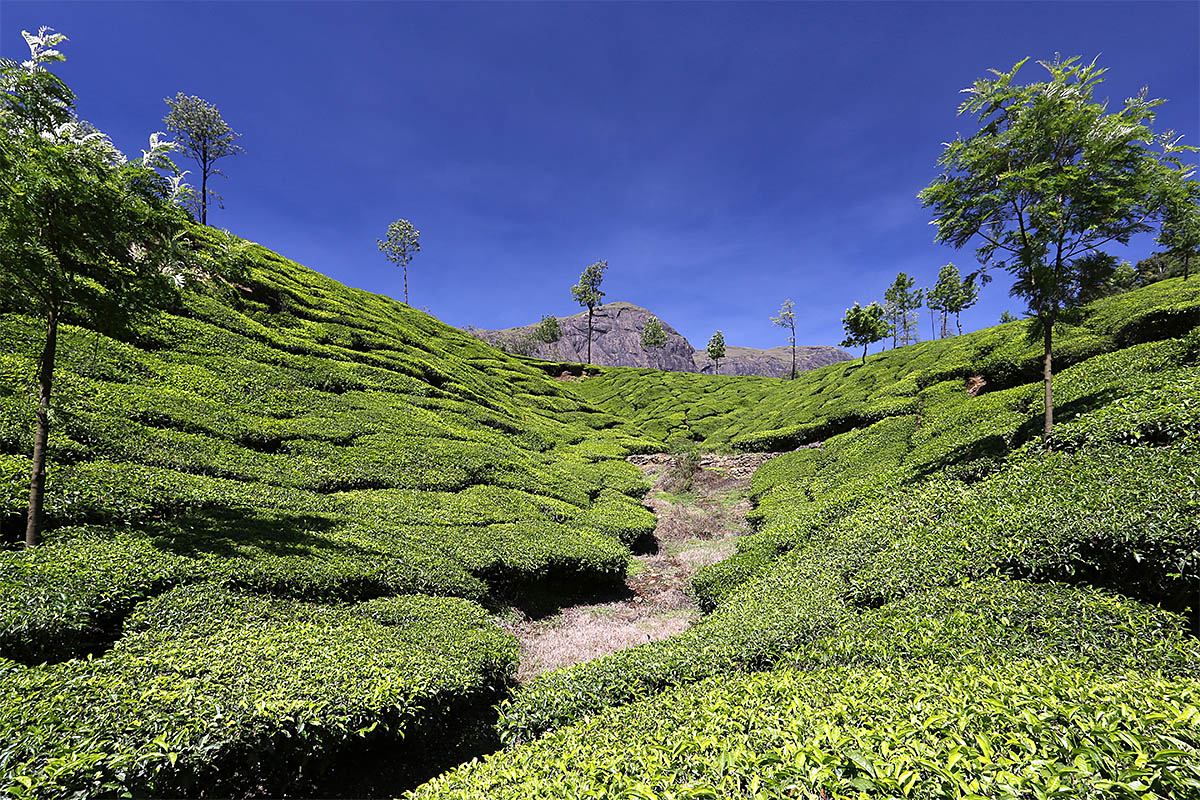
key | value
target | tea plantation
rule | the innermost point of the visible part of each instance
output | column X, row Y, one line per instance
column 935, row 604
column 276, row 517
column 284, row 514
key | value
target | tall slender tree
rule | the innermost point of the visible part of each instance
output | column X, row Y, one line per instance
column 1050, row 176
column 587, row 293
column 900, row 304
column 402, row 243
column 1180, row 232
column 85, row 233
column 204, row 137
column 944, row 296
column 716, row 350
column 787, row 321
column 968, row 295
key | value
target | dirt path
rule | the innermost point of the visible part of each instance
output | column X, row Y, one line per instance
column 697, row 525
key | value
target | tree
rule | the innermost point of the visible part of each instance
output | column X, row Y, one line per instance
column 968, row 295
column 85, row 234
column 716, row 350
column 1050, row 176
column 900, row 304
column 548, row 331
column 787, row 319
column 203, row 137
column 1180, row 232
column 402, row 243
column 931, row 303
column 1124, row 278
column 944, row 295
column 1006, row 316
column 864, row 326
column 653, row 335
column 587, row 293
column 1096, row 271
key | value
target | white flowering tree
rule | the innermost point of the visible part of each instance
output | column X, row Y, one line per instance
column 83, row 230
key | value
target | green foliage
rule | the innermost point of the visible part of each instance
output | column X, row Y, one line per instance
column 299, row 441
column 1016, row 729
column 902, row 539
column 653, row 335
column 952, row 295
column 85, row 234
column 865, row 326
column 210, row 691
column 587, row 292
column 1041, row 211
column 901, row 305
column 548, row 331
column 280, row 510
column 716, row 350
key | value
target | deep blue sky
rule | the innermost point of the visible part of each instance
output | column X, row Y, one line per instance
column 721, row 157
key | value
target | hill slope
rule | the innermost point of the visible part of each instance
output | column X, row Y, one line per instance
column 284, row 514
column 231, row 491
column 617, row 342
column 935, row 604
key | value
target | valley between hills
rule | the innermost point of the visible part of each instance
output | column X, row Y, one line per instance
column 266, row 535
column 297, row 534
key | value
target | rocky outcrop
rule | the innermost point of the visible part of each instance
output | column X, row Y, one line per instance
column 775, row 362
column 617, row 342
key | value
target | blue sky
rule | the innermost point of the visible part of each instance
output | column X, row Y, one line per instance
column 721, row 157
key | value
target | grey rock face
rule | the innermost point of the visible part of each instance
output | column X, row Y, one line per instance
column 775, row 362
column 617, row 342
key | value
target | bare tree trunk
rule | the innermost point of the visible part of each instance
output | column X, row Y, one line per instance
column 37, row 477
column 864, row 354
column 932, row 327
column 203, row 195
column 406, row 284
column 589, row 347
column 793, row 352
column 958, row 322
column 1048, row 375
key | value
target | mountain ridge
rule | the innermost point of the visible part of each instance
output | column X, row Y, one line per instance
column 616, row 342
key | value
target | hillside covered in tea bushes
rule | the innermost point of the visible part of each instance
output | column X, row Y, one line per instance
column 278, row 514
column 284, row 517
column 935, row 603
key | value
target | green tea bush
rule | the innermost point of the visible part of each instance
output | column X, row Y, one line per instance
column 1006, row 729
column 211, row 692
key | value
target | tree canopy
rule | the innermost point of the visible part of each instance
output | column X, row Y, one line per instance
column 716, row 350
column 653, row 335
column 900, row 304
column 1050, row 176
column 205, row 137
column 85, row 234
column 548, row 331
column 864, row 326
